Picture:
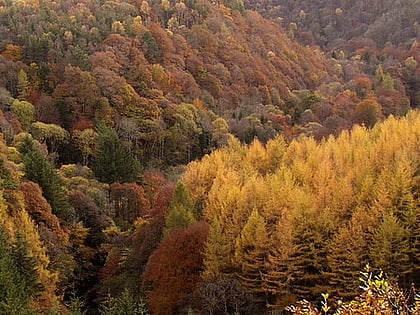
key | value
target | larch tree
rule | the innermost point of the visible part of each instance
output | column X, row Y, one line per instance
column 389, row 249
column 182, row 212
column 217, row 254
column 251, row 254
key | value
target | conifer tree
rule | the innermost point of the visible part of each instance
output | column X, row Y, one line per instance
column 18, row 278
column 22, row 85
column 125, row 304
column 277, row 277
column 347, row 255
column 389, row 249
column 114, row 161
column 39, row 169
column 181, row 212
column 251, row 253
column 217, row 254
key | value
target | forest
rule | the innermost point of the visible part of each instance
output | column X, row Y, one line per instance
column 209, row 157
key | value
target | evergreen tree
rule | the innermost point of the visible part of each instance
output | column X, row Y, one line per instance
column 39, row 169
column 22, row 85
column 125, row 304
column 181, row 212
column 114, row 161
column 18, row 278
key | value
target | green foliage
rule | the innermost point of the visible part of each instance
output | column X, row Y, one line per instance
column 39, row 169
column 18, row 278
column 23, row 85
column 151, row 48
column 51, row 134
column 75, row 306
column 24, row 112
column 125, row 304
column 114, row 161
column 182, row 212
column 379, row 296
column 235, row 5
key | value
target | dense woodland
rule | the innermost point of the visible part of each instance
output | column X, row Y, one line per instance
column 194, row 157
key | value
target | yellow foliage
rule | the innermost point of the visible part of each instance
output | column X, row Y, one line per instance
column 361, row 175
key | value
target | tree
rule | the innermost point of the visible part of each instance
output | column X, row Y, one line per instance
column 129, row 202
column 251, row 254
column 114, row 161
column 125, row 304
column 389, row 250
column 24, row 112
column 368, row 112
column 22, row 85
column 18, row 278
column 347, row 254
column 217, row 254
column 85, row 140
column 173, row 271
column 50, row 134
column 39, row 169
column 181, row 212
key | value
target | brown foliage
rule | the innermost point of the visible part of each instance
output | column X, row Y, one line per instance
column 129, row 201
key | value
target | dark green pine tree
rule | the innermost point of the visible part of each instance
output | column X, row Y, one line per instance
column 39, row 169
column 18, row 278
column 114, row 162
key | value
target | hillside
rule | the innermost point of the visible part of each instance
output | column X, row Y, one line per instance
column 168, row 156
column 330, row 22
column 146, row 68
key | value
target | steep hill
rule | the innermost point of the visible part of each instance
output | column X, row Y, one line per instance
column 133, row 63
column 326, row 22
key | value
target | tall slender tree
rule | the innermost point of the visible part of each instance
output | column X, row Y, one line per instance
column 114, row 161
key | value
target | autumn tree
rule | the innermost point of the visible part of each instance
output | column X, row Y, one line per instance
column 368, row 112
column 129, row 202
column 173, row 271
column 39, row 169
column 24, row 112
column 251, row 254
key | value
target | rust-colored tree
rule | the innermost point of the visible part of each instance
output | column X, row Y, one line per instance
column 173, row 271
column 129, row 202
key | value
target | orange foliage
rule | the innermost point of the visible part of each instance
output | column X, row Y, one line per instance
column 38, row 207
column 13, row 52
column 173, row 271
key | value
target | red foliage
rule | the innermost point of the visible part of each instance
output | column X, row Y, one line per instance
column 173, row 271
column 83, row 124
column 159, row 191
